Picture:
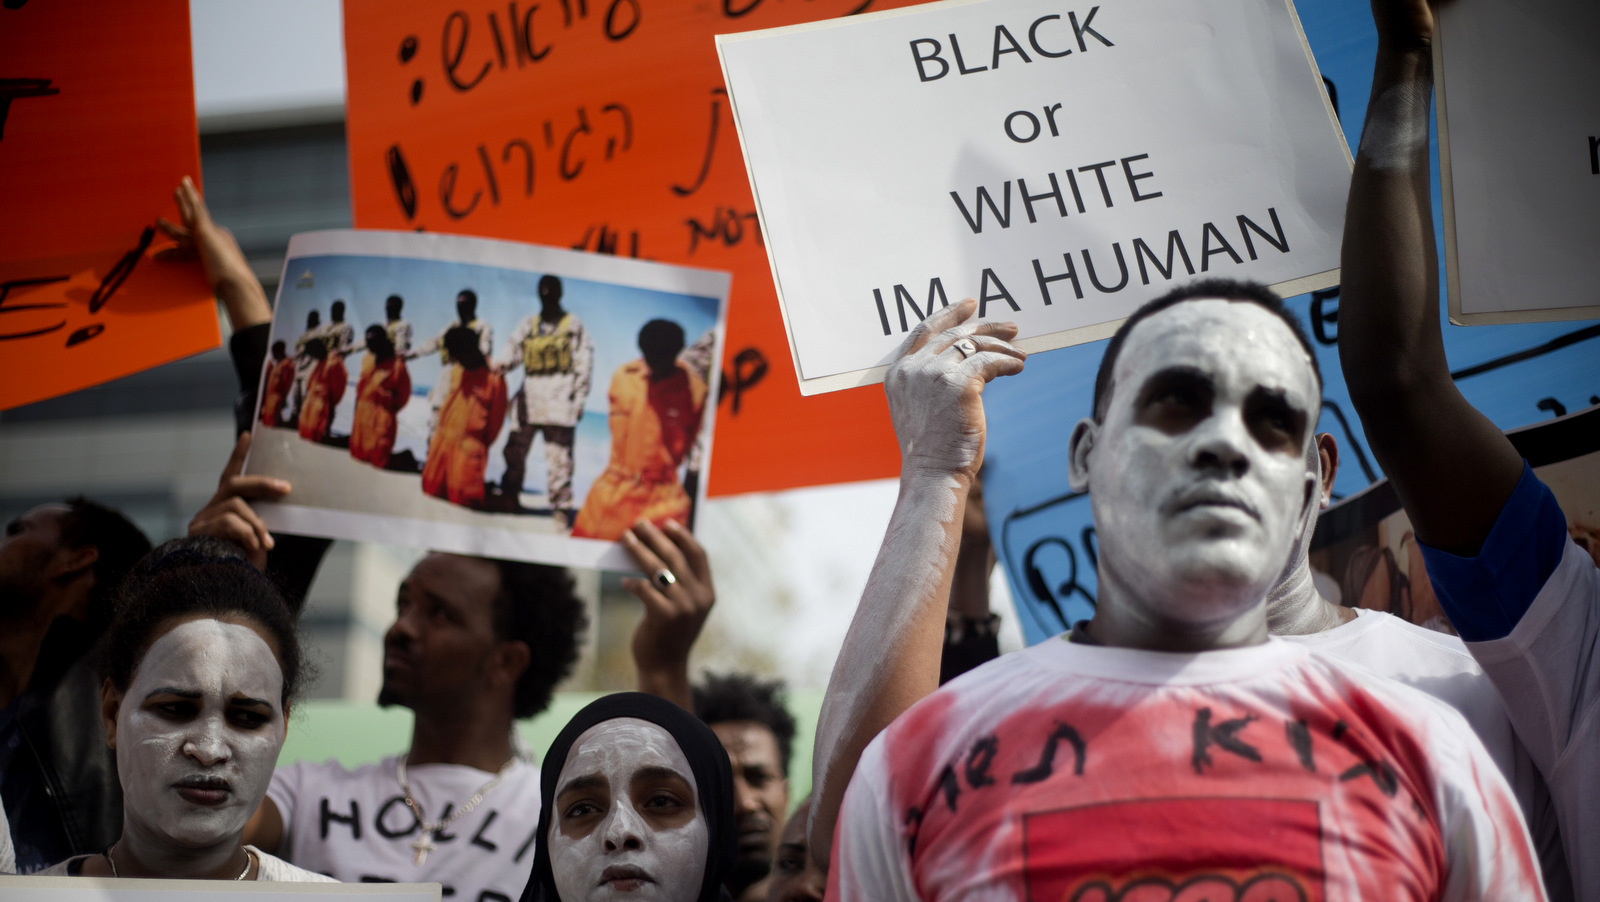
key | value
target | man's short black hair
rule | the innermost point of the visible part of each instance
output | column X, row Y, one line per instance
column 1227, row 289
column 742, row 696
column 536, row 605
column 117, row 541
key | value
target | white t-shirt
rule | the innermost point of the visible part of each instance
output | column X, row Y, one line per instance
column 1441, row 666
column 354, row 825
column 1548, row 671
column 270, row 869
column 1082, row 772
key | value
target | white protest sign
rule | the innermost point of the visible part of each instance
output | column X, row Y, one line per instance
column 1518, row 89
column 105, row 889
column 1063, row 162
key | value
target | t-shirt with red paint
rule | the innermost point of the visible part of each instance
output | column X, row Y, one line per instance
column 1077, row 773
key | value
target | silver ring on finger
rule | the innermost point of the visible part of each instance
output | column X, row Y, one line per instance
column 966, row 346
column 663, row 578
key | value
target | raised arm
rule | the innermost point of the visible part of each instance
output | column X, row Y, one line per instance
column 231, row 278
column 675, row 606
column 890, row 657
column 1451, row 467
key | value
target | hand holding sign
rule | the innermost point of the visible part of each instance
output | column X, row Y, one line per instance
column 227, row 271
column 229, row 516
column 675, row 606
column 935, row 389
column 1404, row 23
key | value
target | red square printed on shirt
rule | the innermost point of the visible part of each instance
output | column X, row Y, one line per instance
column 1210, row 849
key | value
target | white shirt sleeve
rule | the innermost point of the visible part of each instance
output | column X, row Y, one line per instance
column 1547, row 669
column 870, row 859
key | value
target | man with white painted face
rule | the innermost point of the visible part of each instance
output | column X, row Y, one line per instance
column 477, row 644
column 1425, row 659
column 60, row 566
column 1170, row 741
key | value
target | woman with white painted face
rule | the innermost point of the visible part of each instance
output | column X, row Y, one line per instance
column 200, row 665
column 641, row 807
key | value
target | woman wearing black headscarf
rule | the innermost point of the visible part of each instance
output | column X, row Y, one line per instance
column 637, row 803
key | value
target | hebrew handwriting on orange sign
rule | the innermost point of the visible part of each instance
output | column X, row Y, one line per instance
column 602, row 125
column 96, row 129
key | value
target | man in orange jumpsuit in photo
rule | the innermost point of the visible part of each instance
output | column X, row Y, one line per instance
column 383, row 389
column 280, row 380
column 656, row 404
column 324, row 390
column 470, row 419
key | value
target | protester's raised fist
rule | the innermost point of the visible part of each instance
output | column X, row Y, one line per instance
column 677, row 596
column 228, row 516
column 1405, row 24
column 935, row 388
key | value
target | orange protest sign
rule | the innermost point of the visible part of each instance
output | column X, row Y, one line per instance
column 96, row 129
column 602, row 125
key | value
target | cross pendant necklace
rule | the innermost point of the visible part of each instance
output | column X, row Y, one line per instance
column 422, row 845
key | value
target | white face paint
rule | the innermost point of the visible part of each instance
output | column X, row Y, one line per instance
column 198, row 733
column 1294, row 607
column 1397, row 128
column 627, row 822
column 1198, row 473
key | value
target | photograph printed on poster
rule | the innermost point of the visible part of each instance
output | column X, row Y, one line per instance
column 486, row 397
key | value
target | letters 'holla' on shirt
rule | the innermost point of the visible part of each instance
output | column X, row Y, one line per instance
column 354, row 825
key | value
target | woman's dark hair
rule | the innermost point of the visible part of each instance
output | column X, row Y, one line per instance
column 713, row 777
column 202, row 577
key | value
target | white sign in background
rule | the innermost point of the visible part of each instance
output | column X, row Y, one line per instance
column 1062, row 162
column 1519, row 126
